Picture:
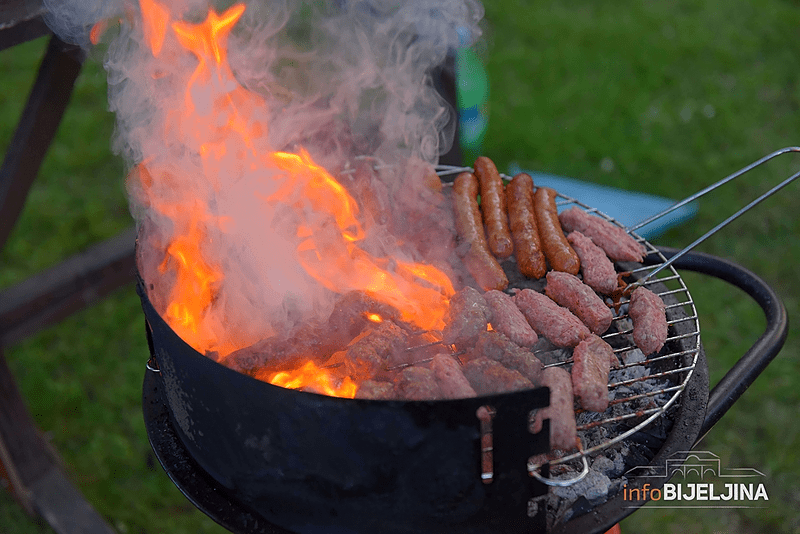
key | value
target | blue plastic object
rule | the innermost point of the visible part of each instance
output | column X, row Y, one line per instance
column 627, row 207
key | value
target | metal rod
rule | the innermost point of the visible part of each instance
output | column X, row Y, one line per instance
column 713, row 186
column 718, row 227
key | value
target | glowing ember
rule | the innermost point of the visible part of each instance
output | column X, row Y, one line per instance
column 311, row 378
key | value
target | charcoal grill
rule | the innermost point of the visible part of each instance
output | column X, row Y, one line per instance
column 176, row 415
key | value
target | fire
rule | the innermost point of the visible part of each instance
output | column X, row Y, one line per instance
column 311, row 378
column 215, row 122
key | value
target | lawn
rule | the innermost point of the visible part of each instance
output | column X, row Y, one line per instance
column 660, row 97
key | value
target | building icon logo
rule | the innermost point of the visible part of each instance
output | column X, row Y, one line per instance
column 719, row 486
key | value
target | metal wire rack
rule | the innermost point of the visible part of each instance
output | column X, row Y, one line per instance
column 643, row 389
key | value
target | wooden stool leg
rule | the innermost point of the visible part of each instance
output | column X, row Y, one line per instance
column 32, row 470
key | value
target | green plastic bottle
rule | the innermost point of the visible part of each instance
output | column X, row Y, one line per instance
column 472, row 95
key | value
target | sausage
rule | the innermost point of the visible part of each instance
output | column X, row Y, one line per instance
column 488, row 377
column 493, row 206
column 550, row 320
column 563, row 433
column 591, row 364
column 452, row 382
column 649, row 317
column 597, row 270
column 367, row 354
column 508, row 320
column 474, row 250
column 497, row 347
column 556, row 248
column 416, row 383
column 524, row 231
column 466, row 317
column 615, row 241
column 568, row 291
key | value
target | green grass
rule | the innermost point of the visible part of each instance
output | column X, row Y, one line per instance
column 677, row 94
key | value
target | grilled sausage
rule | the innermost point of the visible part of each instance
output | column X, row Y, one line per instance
column 508, row 320
column 452, row 382
column 616, row 242
column 497, row 347
column 597, row 270
column 648, row 314
column 493, row 206
column 488, row 377
column 556, row 248
column 367, row 354
column 563, row 433
column 466, row 317
column 592, row 360
column 473, row 248
column 524, row 232
column 550, row 320
column 416, row 383
column 568, row 291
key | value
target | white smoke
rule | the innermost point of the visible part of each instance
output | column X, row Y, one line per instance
column 340, row 79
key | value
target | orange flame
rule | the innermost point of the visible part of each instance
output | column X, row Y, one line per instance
column 215, row 122
column 311, row 378
column 155, row 18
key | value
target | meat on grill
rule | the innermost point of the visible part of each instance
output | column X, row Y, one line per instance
column 493, row 206
column 497, row 347
column 616, row 242
column 350, row 315
column 568, row 291
column 450, row 377
column 648, row 314
column 376, row 390
column 597, row 270
column 367, row 354
column 472, row 247
column 550, row 320
column 466, row 317
column 416, row 383
column 524, row 232
column 592, row 359
column 560, row 412
column 488, row 377
column 278, row 353
column 556, row 248
column 508, row 320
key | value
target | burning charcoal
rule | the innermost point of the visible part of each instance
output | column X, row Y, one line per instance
column 416, row 383
column 467, row 317
column 497, row 347
column 373, row 389
column 488, row 377
column 354, row 311
column 368, row 353
column 560, row 412
column 593, row 487
column 451, row 379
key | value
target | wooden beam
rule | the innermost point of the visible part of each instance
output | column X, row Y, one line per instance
column 32, row 470
column 77, row 282
column 36, row 128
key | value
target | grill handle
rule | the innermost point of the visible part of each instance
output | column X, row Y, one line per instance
column 762, row 352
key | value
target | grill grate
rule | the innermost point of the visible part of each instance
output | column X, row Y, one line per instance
column 666, row 373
